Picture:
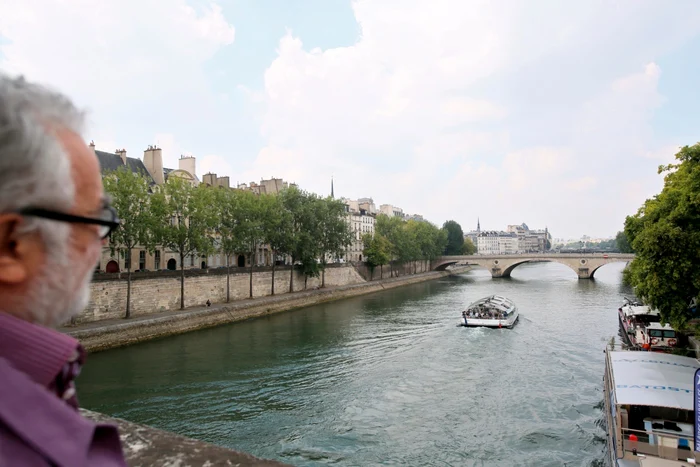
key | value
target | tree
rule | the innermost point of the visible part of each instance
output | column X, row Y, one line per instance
column 430, row 240
column 455, row 238
column 294, row 203
column 376, row 252
column 275, row 230
column 309, row 244
column 226, row 205
column 186, row 221
column 250, row 226
column 665, row 234
column 334, row 232
column 468, row 248
column 131, row 198
column 622, row 244
column 391, row 228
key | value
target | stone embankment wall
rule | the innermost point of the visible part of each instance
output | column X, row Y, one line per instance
column 160, row 291
column 108, row 334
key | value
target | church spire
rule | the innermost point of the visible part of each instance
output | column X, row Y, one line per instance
column 332, row 194
column 478, row 225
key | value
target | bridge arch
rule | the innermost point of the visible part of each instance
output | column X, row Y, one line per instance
column 443, row 266
column 584, row 265
column 509, row 269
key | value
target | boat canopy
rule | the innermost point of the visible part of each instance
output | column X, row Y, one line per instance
column 653, row 379
column 665, row 327
column 494, row 302
column 636, row 310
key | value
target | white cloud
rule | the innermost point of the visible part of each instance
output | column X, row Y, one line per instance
column 116, row 57
column 512, row 111
column 507, row 110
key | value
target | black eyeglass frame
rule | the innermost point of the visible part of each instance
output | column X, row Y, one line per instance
column 70, row 218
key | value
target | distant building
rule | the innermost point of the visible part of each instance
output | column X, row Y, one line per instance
column 496, row 243
column 415, row 217
column 361, row 221
column 272, row 186
column 368, row 205
column 516, row 239
column 474, row 234
column 391, row 211
column 152, row 168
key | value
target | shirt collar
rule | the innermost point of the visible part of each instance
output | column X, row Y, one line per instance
column 35, row 350
column 41, row 420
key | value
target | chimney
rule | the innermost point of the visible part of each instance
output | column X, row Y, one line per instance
column 153, row 160
column 92, row 146
column 188, row 164
column 121, row 153
column 224, row 182
column 210, row 179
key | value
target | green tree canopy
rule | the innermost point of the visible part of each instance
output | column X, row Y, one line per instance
column 376, row 250
column 665, row 234
column 455, row 238
column 468, row 248
column 187, row 219
column 131, row 198
column 334, row 231
column 622, row 243
column 228, row 243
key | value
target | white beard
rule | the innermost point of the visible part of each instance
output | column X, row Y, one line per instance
column 51, row 301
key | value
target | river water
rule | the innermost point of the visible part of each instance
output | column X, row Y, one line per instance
column 387, row 378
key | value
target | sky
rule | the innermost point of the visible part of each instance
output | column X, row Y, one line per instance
column 552, row 113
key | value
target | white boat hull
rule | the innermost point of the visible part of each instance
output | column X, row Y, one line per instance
column 491, row 323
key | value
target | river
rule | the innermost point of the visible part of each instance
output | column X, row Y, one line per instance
column 387, row 378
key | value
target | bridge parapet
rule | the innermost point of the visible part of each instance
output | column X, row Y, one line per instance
column 584, row 264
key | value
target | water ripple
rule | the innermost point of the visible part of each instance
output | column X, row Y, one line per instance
column 387, row 379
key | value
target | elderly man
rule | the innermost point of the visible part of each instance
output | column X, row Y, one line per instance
column 54, row 219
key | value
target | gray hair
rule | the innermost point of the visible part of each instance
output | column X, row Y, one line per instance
column 34, row 167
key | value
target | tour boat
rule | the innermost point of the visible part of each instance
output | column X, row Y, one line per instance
column 642, row 329
column 491, row 312
column 648, row 400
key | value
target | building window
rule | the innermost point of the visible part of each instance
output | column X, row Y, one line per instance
column 142, row 259
column 157, row 266
column 192, row 260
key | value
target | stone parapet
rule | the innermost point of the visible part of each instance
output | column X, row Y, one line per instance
column 147, row 446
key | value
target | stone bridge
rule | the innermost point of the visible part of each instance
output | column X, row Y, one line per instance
column 583, row 264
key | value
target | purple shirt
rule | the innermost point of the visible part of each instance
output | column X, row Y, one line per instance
column 39, row 421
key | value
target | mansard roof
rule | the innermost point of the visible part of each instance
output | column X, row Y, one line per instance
column 109, row 162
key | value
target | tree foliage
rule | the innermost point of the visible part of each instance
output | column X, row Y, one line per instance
column 455, row 238
column 410, row 242
column 131, row 199
column 622, row 244
column 665, row 234
column 187, row 218
column 376, row 250
column 468, row 248
column 334, row 234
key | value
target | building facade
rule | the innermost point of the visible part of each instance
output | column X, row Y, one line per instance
column 517, row 239
column 162, row 259
column 361, row 221
column 391, row 211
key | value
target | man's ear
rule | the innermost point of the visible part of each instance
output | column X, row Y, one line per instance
column 15, row 250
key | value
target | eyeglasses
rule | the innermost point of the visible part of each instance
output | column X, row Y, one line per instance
column 107, row 219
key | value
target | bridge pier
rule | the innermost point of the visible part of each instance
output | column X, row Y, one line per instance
column 497, row 272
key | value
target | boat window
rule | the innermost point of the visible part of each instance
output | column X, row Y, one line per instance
column 656, row 333
column 669, row 334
